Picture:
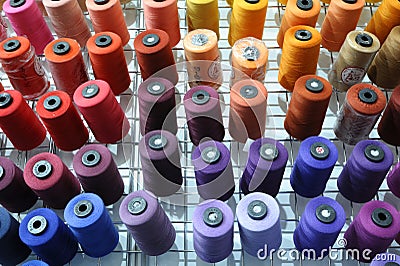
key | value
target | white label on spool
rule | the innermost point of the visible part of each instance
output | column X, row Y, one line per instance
column 352, row 75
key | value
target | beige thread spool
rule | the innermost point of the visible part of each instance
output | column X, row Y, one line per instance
column 354, row 59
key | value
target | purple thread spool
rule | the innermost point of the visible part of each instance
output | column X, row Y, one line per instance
column 365, row 171
column 213, row 231
column 157, row 106
column 203, row 114
column 374, row 228
column 313, row 166
column 35, row 263
column 319, row 226
column 98, row 173
column 161, row 167
column 147, row 222
column 213, row 170
column 386, row 259
column 265, row 167
column 15, row 195
column 259, row 223
column 393, row 180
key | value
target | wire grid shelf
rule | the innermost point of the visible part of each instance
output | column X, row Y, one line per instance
column 180, row 206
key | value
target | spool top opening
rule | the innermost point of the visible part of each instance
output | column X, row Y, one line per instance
column 319, row 151
column 17, row 3
column 213, row 216
column 252, row 1
column 90, row 91
column 248, row 92
column 210, row 155
column 303, row 35
column 137, row 206
column 5, row 100
column 367, row 96
column 269, row 152
column 103, row 41
column 91, row 158
column 2, row 172
column 257, row 210
column 11, row 45
column 151, row 40
column 304, row 4
column 83, row 208
column 101, row 2
column 364, row 39
column 42, row 169
column 157, row 142
column 374, row 153
column 156, row 88
column 382, row 217
column 199, row 39
column 251, row 53
column 52, row 103
column 314, row 85
column 350, row 1
column 37, row 225
column 61, row 48
column 325, row 214
column 200, row 97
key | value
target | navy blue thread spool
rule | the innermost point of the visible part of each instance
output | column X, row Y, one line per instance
column 91, row 224
column 35, row 263
column 47, row 235
column 313, row 166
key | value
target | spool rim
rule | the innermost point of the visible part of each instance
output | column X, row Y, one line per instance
column 249, row 92
column 314, row 85
column 61, row 48
column 257, row 210
column 367, row 96
column 305, row 5
column 319, row 150
column 42, row 169
column 156, row 88
column 382, row 217
column 5, row 100
column 52, row 103
column 364, row 39
column 251, row 53
column 157, row 142
column 325, row 214
column 374, row 153
column 137, row 206
column 103, row 41
column 151, row 40
column 269, row 151
column 101, row 2
column 199, row 39
column 90, row 91
column 37, row 225
column 91, row 158
column 213, row 217
column 83, row 208
column 2, row 172
column 11, row 45
column 201, row 97
column 303, row 35
column 17, row 3
column 210, row 155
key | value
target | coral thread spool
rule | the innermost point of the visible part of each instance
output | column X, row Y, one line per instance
column 19, row 122
column 108, row 61
column 393, row 180
column 23, row 67
column 66, row 64
column 197, row 10
column 389, row 125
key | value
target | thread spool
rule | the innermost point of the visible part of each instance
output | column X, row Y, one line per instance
column 249, row 60
column 388, row 127
column 67, row 20
column 213, row 170
column 319, row 226
column 342, row 17
column 155, row 13
column 248, row 110
column 154, row 55
column 161, row 167
column 203, row 61
column 107, row 16
column 382, row 70
column 35, row 263
column 386, row 259
column 265, row 167
column 374, row 228
column 157, row 106
column 23, row 68
column 66, row 64
column 47, row 235
column 19, row 122
column 62, row 120
column 143, row 217
column 365, row 171
column 104, row 115
column 22, row 15
column 203, row 114
column 108, row 61
column 259, row 223
column 98, row 173
column 300, row 54
column 89, row 221
column 298, row 12
column 247, row 20
column 313, row 166
column 197, row 10
column 51, row 180
column 354, row 59
column 359, row 113
column 15, row 195
column 213, row 231
column 393, row 180
column 306, row 113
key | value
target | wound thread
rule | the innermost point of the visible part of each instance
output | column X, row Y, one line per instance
column 388, row 127
column 197, row 10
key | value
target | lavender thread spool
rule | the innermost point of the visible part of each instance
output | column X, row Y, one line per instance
column 313, row 166
column 319, row 226
column 365, row 171
column 265, row 167
column 386, row 259
column 35, row 263
column 98, row 173
column 147, row 223
column 213, row 231
column 161, row 167
column 259, row 223
column 213, row 170
column 203, row 114
column 374, row 228
column 393, row 180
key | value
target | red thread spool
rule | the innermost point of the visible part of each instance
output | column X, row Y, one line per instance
column 154, row 55
column 51, row 180
column 389, row 125
column 19, row 122
column 62, row 120
column 22, row 67
column 66, row 64
column 108, row 60
column 101, row 110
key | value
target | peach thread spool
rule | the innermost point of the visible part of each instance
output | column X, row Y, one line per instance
column 300, row 54
column 202, row 14
column 202, row 58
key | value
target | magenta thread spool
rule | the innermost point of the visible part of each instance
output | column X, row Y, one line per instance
column 386, row 259
column 374, row 228
column 161, row 167
column 393, row 180
column 213, row 170
column 51, row 180
column 259, row 224
column 98, row 173
column 147, row 222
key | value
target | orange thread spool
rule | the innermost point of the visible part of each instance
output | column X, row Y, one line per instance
column 342, row 17
column 248, row 110
column 298, row 12
column 307, row 108
column 108, row 60
column 300, row 54
column 66, row 64
column 107, row 15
